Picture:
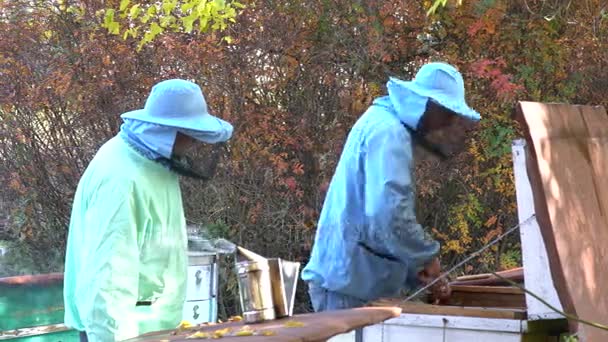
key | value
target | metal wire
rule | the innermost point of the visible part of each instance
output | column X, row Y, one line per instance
column 553, row 308
column 467, row 259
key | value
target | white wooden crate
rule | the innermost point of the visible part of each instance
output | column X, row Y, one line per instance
column 439, row 328
column 202, row 288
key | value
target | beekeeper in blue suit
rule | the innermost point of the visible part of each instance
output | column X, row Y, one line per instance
column 125, row 267
column 368, row 243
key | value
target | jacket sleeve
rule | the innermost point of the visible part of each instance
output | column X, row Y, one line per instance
column 111, row 272
column 390, row 199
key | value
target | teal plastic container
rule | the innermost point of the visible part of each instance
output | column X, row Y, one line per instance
column 30, row 302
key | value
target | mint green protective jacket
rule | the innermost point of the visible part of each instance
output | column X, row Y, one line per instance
column 127, row 243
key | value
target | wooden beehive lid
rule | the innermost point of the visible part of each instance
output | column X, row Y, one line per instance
column 568, row 171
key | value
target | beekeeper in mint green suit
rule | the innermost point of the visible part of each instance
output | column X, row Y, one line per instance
column 368, row 243
column 125, row 268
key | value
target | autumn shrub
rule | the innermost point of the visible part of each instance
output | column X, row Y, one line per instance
column 292, row 77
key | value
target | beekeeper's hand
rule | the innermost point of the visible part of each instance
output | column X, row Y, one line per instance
column 430, row 272
column 440, row 291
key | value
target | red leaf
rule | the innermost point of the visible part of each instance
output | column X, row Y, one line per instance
column 298, row 168
column 291, row 183
column 475, row 27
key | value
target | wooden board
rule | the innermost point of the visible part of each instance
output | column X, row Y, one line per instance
column 39, row 279
column 487, row 289
column 428, row 309
column 316, row 327
column 568, row 171
column 516, row 275
column 32, row 331
column 487, row 296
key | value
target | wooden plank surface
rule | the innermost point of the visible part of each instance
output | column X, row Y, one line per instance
column 568, row 171
column 32, row 331
column 487, row 289
column 516, row 274
column 487, row 296
column 39, row 279
column 428, row 309
column 316, row 327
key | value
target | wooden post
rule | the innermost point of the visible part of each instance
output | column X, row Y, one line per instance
column 534, row 254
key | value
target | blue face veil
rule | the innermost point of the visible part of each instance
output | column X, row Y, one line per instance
column 435, row 84
column 175, row 106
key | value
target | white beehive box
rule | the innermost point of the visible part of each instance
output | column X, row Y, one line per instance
column 202, row 288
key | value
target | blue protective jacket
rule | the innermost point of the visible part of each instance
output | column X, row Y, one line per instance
column 368, row 243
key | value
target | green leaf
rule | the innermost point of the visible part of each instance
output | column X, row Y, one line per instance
column 151, row 10
column 108, row 22
column 114, row 28
column 168, row 6
column 147, row 38
column 108, row 18
column 202, row 7
column 436, row 5
column 134, row 12
column 156, row 17
column 215, row 7
column 155, row 30
column 203, row 25
column 123, row 5
column 188, row 6
column 230, row 12
column 167, row 20
column 188, row 23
